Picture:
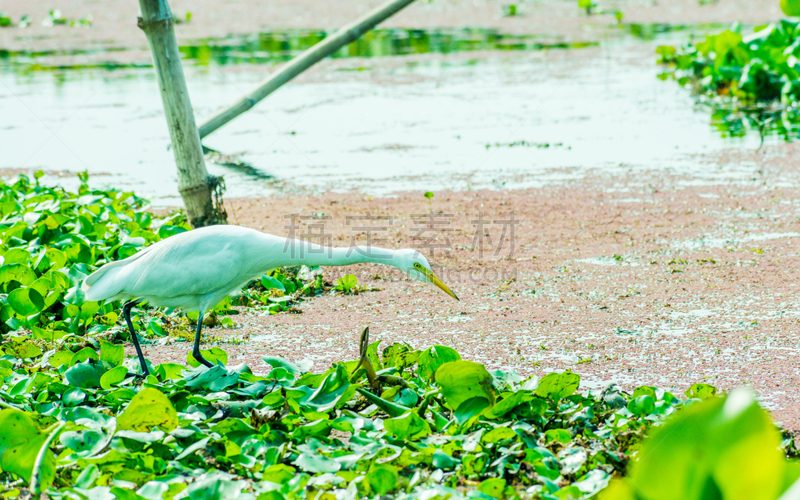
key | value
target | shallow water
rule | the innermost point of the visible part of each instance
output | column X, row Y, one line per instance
column 463, row 121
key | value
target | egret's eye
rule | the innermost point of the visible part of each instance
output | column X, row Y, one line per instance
column 417, row 265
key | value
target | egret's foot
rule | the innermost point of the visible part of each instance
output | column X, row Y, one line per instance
column 200, row 359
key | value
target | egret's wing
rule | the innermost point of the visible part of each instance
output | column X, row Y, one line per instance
column 189, row 267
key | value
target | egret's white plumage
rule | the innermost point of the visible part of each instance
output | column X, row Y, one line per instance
column 196, row 269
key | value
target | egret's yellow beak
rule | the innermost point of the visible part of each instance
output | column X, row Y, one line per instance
column 436, row 281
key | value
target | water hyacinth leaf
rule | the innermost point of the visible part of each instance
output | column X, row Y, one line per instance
column 17, row 256
column 213, row 355
column 112, row 354
column 17, row 272
column 381, row 479
column 85, row 375
column 499, row 434
column 347, row 283
column 26, row 301
column 493, row 487
column 279, row 473
column 171, row 371
column 557, row 435
column 83, row 355
column 442, row 460
column 6, row 368
column 149, row 408
column 708, row 445
column 20, row 442
column 313, row 463
column 558, row 385
column 113, row 377
column 23, row 350
column 334, row 389
column 433, row 358
column 85, row 442
column 463, row 380
column 409, row 426
column 215, row 486
column 643, row 405
column 269, row 283
column 295, row 369
column 509, row 402
column 701, row 391
column 471, row 408
column 391, row 408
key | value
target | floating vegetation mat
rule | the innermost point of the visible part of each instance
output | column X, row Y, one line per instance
column 749, row 82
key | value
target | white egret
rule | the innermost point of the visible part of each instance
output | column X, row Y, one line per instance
column 195, row 270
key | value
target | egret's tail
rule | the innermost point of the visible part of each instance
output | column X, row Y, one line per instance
column 102, row 284
column 108, row 282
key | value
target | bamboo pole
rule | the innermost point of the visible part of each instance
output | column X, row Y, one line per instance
column 302, row 62
column 193, row 180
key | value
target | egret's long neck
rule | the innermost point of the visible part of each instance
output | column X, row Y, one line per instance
column 299, row 252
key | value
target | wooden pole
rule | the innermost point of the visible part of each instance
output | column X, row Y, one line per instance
column 193, row 180
column 302, row 62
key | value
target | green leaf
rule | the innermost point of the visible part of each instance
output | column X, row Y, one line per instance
column 169, row 371
column 442, row 460
column 382, row 479
column 269, row 282
column 23, row 350
column 712, row 443
column 83, row 355
column 470, row 408
column 149, row 408
column 20, row 442
column 17, row 256
column 428, row 194
column 433, row 358
column 509, row 402
column 493, row 487
column 701, row 391
column 407, row 427
column 558, row 385
column 643, row 405
column 112, row 354
column 113, row 377
column 559, row 435
column 346, row 283
column 392, row 409
column 313, row 463
column 499, row 434
column 85, row 375
column 26, row 301
column 294, row 368
column 335, row 389
column 17, row 272
column 211, row 355
column 463, row 380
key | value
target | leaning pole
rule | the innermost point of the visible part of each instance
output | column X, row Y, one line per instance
column 313, row 55
column 193, row 180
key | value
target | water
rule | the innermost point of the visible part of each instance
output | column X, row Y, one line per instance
column 493, row 118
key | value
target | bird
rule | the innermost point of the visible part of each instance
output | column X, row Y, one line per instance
column 195, row 270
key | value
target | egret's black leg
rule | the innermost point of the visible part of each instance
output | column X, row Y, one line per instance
column 126, row 312
column 196, row 350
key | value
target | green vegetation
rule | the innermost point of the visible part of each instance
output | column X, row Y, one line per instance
column 77, row 423
column 51, row 240
column 749, row 82
column 409, row 423
column 721, row 448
